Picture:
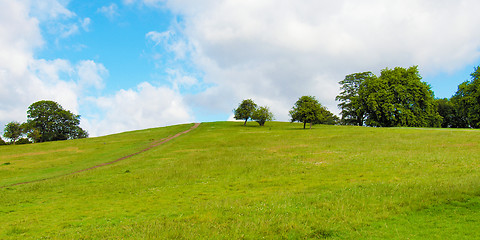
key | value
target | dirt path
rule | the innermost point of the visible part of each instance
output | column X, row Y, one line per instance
column 155, row 144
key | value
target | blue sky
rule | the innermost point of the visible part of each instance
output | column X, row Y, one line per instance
column 116, row 39
column 133, row 64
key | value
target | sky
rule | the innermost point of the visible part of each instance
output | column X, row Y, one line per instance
column 135, row 64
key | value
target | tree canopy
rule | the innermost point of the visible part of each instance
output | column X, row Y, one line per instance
column 351, row 103
column 307, row 109
column 245, row 110
column 261, row 115
column 467, row 101
column 397, row 98
column 48, row 121
column 13, row 130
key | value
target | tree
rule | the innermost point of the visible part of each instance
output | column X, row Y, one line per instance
column 48, row 121
column 399, row 98
column 308, row 110
column 329, row 118
column 467, row 101
column 245, row 110
column 351, row 103
column 13, row 130
column 2, row 142
column 261, row 115
column 451, row 119
column 32, row 132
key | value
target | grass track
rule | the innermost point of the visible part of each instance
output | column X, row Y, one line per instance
column 227, row 181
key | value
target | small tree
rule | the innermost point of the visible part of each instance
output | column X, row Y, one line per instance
column 307, row 110
column 261, row 115
column 13, row 130
column 2, row 142
column 245, row 110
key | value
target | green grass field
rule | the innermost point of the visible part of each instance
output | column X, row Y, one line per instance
column 226, row 181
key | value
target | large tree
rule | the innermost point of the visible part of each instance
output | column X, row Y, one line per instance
column 50, row 122
column 308, row 110
column 245, row 110
column 13, row 130
column 467, row 101
column 399, row 98
column 351, row 103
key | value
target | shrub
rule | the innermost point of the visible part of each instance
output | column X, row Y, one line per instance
column 23, row 141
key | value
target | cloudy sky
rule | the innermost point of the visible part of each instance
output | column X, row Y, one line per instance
column 134, row 64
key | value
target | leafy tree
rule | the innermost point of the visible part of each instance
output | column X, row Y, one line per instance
column 399, row 98
column 308, row 110
column 13, row 130
column 48, row 121
column 2, row 142
column 451, row 119
column 245, row 110
column 351, row 103
column 329, row 118
column 467, row 101
column 32, row 132
column 261, row 115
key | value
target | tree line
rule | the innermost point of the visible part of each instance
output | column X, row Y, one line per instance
column 46, row 121
column 397, row 98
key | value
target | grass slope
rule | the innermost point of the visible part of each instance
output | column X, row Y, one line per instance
column 223, row 180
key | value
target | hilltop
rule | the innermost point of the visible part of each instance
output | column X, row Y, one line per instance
column 223, row 180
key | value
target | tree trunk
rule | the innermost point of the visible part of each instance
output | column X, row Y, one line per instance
column 304, row 124
column 245, row 123
column 311, row 125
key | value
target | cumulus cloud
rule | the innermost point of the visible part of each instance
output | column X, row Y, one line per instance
column 25, row 79
column 19, row 35
column 146, row 106
column 277, row 51
column 91, row 74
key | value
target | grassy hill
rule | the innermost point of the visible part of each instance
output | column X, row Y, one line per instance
column 223, row 180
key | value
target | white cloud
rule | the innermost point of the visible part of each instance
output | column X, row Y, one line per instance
column 171, row 42
column 85, row 23
column 277, row 51
column 68, row 30
column 48, row 9
column 180, row 79
column 25, row 79
column 146, row 106
column 109, row 11
column 91, row 74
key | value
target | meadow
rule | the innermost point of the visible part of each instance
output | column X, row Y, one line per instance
column 226, row 181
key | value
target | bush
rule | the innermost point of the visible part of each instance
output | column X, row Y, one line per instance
column 23, row 141
column 2, row 142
